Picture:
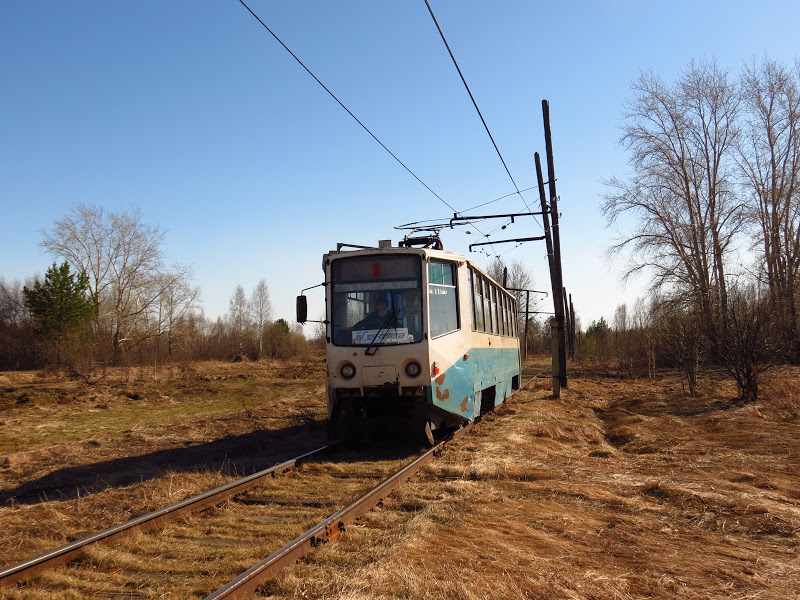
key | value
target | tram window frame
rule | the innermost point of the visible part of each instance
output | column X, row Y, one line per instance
column 452, row 268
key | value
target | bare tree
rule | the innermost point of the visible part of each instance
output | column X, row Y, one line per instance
column 642, row 321
column 17, row 343
column 677, row 327
column 260, row 312
column 123, row 261
column 12, row 303
column 749, row 348
column 238, row 317
column 770, row 162
column 82, row 238
column 176, row 302
column 681, row 139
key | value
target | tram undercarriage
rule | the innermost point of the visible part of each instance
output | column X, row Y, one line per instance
column 386, row 411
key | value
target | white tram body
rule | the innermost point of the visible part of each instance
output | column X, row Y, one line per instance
column 441, row 350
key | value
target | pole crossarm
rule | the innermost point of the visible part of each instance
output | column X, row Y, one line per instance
column 484, row 217
column 529, row 239
column 525, row 290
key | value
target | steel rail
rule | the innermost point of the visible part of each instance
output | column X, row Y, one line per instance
column 524, row 386
column 196, row 503
column 246, row 584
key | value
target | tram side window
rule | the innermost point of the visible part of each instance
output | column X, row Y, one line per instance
column 495, row 313
column 504, row 314
column 509, row 318
column 507, row 312
column 509, row 327
column 496, row 309
column 514, row 318
column 477, row 302
column 487, row 307
column 442, row 297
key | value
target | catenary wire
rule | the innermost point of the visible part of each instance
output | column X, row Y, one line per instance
column 357, row 120
column 332, row 95
column 500, row 198
column 474, row 103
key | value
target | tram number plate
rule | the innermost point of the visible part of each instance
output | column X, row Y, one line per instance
column 392, row 336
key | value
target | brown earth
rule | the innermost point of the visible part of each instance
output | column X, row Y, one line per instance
column 620, row 489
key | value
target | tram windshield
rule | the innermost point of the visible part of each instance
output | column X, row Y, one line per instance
column 377, row 300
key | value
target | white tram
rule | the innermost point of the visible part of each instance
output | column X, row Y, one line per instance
column 417, row 339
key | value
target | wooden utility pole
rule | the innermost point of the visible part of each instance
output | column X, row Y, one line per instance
column 553, row 240
column 551, row 175
column 556, row 288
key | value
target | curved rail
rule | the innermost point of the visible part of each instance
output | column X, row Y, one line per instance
column 535, row 377
column 196, row 503
column 330, row 529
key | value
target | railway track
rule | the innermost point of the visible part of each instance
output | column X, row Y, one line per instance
column 196, row 544
column 195, row 504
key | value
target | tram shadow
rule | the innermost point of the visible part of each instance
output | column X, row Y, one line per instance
column 234, row 455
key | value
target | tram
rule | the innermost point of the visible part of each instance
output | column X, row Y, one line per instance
column 418, row 340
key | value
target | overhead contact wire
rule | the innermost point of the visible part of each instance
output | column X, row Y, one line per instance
column 474, row 103
column 332, row 95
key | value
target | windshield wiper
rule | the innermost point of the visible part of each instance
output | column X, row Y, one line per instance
column 375, row 343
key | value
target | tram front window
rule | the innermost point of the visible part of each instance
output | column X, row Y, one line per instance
column 376, row 300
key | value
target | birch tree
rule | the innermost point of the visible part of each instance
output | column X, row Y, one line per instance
column 260, row 312
column 176, row 303
column 238, row 317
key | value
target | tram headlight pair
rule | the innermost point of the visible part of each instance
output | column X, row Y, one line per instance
column 348, row 370
column 413, row 369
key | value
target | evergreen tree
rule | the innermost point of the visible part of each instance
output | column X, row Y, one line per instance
column 62, row 309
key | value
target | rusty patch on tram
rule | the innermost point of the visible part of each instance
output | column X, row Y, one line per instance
column 440, row 379
column 463, row 405
column 442, row 396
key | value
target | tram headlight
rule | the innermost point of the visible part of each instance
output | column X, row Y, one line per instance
column 347, row 371
column 413, row 369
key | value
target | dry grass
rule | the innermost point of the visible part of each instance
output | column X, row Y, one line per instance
column 619, row 490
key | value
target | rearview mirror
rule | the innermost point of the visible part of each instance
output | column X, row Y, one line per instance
column 302, row 309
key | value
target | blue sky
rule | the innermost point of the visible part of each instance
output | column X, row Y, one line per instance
column 192, row 111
